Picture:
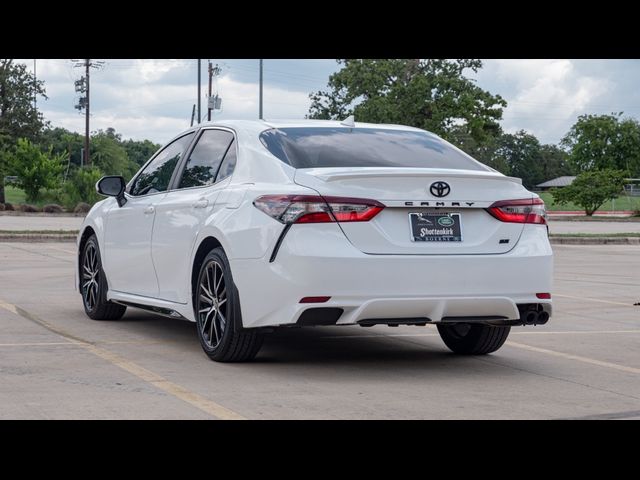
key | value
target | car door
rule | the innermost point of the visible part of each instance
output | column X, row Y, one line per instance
column 180, row 214
column 127, row 257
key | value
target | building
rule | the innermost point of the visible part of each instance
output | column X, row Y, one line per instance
column 556, row 182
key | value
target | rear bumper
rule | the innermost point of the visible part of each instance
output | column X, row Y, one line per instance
column 318, row 260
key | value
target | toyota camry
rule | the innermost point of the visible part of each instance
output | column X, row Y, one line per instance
column 247, row 226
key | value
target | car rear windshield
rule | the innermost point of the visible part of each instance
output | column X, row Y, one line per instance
column 321, row 147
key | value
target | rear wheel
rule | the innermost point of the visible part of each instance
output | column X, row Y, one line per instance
column 470, row 339
column 93, row 285
column 217, row 311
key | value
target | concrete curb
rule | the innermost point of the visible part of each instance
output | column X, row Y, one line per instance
column 594, row 240
column 37, row 237
column 13, row 213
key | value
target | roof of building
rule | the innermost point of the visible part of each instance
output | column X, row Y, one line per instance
column 557, row 182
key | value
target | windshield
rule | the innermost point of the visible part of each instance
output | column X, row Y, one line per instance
column 321, row 147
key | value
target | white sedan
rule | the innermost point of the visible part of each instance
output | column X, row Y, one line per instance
column 243, row 226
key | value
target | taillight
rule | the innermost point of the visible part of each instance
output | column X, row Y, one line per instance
column 529, row 210
column 316, row 209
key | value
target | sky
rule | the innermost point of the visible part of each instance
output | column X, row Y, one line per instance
column 153, row 99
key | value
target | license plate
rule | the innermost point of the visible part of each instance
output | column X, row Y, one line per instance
column 435, row 227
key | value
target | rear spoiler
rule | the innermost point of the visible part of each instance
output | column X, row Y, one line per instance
column 337, row 174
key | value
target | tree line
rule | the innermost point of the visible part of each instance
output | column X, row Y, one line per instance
column 436, row 95
column 432, row 94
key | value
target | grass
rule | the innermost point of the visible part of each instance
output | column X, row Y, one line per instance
column 596, row 235
column 15, row 196
column 621, row 203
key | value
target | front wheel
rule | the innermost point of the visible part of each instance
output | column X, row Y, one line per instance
column 93, row 285
column 217, row 311
column 470, row 339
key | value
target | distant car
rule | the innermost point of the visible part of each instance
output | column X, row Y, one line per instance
column 244, row 226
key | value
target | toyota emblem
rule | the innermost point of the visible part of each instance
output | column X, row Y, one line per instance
column 440, row 189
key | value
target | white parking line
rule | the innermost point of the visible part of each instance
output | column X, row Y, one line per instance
column 62, row 250
column 579, row 358
column 590, row 299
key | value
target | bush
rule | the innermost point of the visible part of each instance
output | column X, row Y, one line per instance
column 35, row 170
column 9, row 207
column 591, row 189
column 82, row 208
column 52, row 208
column 80, row 187
column 28, row 208
column 2, row 207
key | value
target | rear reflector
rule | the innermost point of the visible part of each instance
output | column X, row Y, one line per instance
column 530, row 210
column 544, row 296
column 317, row 209
column 314, row 299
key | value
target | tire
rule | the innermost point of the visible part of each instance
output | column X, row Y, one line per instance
column 93, row 285
column 470, row 339
column 217, row 311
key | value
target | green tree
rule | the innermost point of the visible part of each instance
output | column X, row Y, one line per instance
column 591, row 189
column 604, row 141
column 432, row 94
column 520, row 152
column 35, row 169
column 65, row 142
column 139, row 151
column 555, row 162
column 81, row 187
column 482, row 151
column 108, row 154
column 18, row 116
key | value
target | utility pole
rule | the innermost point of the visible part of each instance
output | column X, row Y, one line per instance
column 193, row 114
column 87, row 64
column 199, row 94
column 260, row 111
column 213, row 103
column 210, row 82
column 82, row 86
column 35, row 86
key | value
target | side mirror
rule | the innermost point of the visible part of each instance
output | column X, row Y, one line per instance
column 112, row 186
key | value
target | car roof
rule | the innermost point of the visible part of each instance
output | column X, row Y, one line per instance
column 258, row 126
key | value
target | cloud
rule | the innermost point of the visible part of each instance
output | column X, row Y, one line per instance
column 154, row 98
column 544, row 97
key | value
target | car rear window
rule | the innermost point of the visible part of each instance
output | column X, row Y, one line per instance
column 321, row 147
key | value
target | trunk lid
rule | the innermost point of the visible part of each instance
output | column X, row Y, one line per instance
column 404, row 191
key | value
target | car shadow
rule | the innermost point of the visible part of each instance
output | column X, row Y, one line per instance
column 321, row 347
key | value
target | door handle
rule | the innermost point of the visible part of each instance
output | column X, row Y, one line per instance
column 202, row 203
column 148, row 210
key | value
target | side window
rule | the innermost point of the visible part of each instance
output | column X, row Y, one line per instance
column 205, row 159
column 229, row 163
column 157, row 175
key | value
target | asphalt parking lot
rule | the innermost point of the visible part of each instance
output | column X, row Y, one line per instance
column 55, row 363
